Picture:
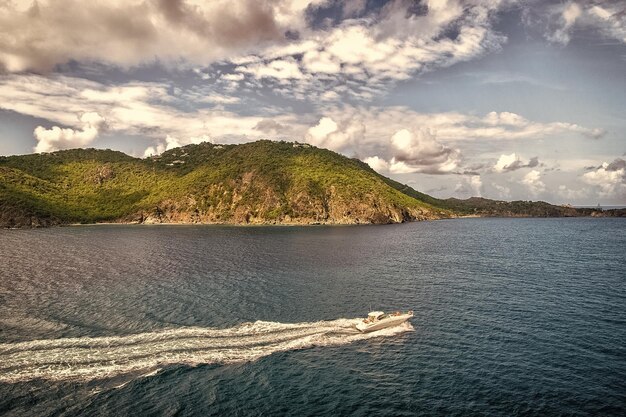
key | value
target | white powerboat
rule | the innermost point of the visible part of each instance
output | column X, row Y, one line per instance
column 377, row 320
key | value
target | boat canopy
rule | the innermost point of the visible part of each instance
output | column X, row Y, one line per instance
column 375, row 314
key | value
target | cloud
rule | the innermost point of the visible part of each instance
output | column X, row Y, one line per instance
column 470, row 186
column 407, row 140
column 272, row 127
column 359, row 58
column 281, row 69
column 56, row 138
column 571, row 194
column 568, row 15
column 172, row 142
column 610, row 179
column 377, row 163
column 513, row 162
column 258, row 44
column 610, row 19
column 39, row 35
column 607, row 18
column 328, row 133
column 449, row 129
column 533, row 182
column 419, row 151
column 138, row 109
column 503, row 191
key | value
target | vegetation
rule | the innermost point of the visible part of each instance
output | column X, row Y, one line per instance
column 260, row 182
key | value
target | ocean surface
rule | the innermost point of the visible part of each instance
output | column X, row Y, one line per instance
column 512, row 317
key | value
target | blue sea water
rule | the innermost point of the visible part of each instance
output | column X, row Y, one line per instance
column 512, row 317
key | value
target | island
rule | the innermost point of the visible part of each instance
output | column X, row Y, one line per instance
column 262, row 182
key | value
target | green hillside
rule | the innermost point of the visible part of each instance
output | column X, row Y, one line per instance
column 262, row 182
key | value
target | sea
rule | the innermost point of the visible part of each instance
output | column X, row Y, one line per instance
column 511, row 317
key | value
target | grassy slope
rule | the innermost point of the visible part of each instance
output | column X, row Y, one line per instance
column 87, row 185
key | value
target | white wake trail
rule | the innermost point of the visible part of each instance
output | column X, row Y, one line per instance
column 88, row 358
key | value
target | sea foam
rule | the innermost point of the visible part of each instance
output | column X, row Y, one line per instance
column 88, row 358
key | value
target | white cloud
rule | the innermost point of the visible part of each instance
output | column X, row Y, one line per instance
column 564, row 19
column 533, row 182
column 357, row 58
column 406, row 140
column 282, row 69
column 610, row 179
column 419, row 151
column 513, row 162
column 505, row 162
column 336, row 136
column 470, row 186
column 610, row 20
column 382, row 123
column 377, row 164
column 363, row 56
column 56, row 138
column 476, row 184
column 318, row 134
column 172, row 142
column 143, row 109
column 568, row 15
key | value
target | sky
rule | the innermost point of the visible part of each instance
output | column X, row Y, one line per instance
column 504, row 99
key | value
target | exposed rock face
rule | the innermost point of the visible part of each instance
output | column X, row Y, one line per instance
column 226, row 204
column 15, row 218
column 100, row 174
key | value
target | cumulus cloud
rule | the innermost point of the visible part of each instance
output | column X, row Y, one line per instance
column 141, row 109
column 172, row 142
column 377, row 163
column 327, row 133
column 408, row 141
column 419, row 151
column 513, row 162
column 533, row 182
column 443, row 128
column 470, row 186
column 609, row 178
column 56, row 138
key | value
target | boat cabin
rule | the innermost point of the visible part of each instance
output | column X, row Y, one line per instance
column 375, row 315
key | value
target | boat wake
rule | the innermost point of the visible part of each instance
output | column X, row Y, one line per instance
column 87, row 358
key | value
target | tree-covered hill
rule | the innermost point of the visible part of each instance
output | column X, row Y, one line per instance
column 262, row 182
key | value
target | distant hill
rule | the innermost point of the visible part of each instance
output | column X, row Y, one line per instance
column 484, row 207
column 261, row 182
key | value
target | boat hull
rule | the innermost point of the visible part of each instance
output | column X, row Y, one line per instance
column 384, row 323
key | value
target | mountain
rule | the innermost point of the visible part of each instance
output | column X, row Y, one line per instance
column 262, row 182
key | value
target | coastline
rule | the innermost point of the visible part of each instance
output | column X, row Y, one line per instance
column 294, row 224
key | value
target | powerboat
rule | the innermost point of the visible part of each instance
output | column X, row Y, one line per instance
column 377, row 320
